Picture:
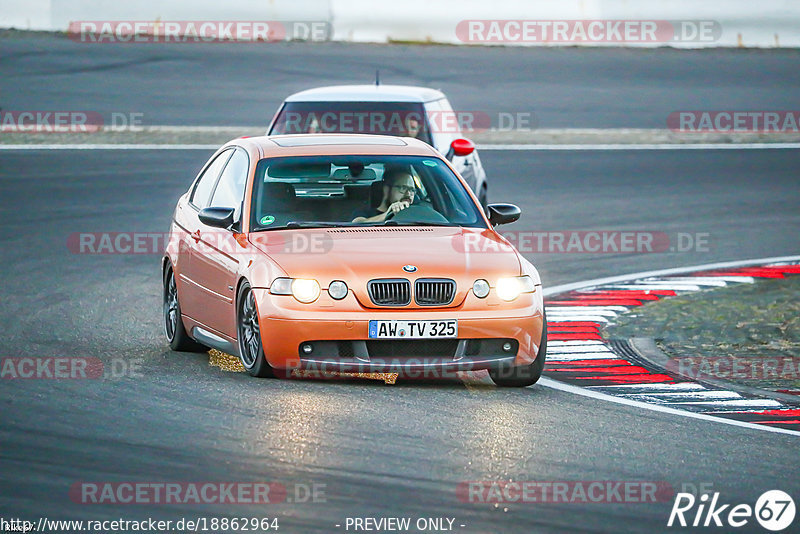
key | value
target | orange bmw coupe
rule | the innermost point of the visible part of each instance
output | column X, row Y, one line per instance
column 349, row 253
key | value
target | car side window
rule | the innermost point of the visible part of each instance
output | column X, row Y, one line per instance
column 205, row 184
column 230, row 187
column 440, row 111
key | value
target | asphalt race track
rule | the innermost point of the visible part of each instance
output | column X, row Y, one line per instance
column 379, row 450
column 243, row 84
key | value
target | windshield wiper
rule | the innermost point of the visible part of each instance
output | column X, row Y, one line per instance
column 315, row 224
column 302, row 224
column 420, row 223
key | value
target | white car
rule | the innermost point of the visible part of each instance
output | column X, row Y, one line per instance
column 386, row 110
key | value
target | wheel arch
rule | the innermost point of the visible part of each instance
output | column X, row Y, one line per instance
column 166, row 263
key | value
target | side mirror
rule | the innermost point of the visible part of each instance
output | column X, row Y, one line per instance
column 503, row 213
column 462, row 147
column 217, row 217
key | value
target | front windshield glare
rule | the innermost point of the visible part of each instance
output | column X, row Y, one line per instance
column 308, row 191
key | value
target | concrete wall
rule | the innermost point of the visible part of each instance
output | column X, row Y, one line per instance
column 767, row 23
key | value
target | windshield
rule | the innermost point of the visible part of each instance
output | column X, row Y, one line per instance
column 404, row 119
column 308, row 191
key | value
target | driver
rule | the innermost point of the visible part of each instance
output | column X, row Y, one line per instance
column 413, row 127
column 398, row 194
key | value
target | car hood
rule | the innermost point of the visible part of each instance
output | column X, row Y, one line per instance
column 357, row 255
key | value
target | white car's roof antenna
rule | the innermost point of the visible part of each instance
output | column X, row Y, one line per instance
column 377, row 77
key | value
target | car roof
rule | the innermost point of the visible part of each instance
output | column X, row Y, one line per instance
column 367, row 93
column 335, row 144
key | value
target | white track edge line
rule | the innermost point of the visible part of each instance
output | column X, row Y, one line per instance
column 645, row 146
column 109, row 147
column 510, row 147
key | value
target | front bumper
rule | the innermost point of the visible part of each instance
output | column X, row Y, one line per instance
column 408, row 357
column 340, row 337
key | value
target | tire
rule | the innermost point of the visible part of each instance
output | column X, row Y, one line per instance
column 177, row 337
column 248, row 334
column 524, row 375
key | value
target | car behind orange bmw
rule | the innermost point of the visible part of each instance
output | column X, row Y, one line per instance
column 349, row 253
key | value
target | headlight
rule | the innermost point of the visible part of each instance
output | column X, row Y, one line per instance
column 281, row 286
column 510, row 288
column 480, row 288
column 337, row 290
column 305, row 291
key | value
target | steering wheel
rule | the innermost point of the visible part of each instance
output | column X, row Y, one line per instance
column 417, row 213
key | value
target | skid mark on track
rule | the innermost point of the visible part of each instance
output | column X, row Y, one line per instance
column 230, row 363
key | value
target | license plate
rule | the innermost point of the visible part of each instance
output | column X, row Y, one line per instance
column 413, row 329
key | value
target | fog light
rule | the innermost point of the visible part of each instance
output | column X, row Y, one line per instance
column 507, row 346
column 307, row 348
column 337, row 290
column 480, row 288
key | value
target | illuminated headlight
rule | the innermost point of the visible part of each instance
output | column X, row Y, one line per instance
column 337, row 290
column 510, row 288
column 305, row 291
column 480, row 288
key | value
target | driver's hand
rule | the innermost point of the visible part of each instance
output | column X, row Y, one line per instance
column 397, row 207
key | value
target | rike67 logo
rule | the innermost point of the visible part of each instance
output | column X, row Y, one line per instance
column 774, row 510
